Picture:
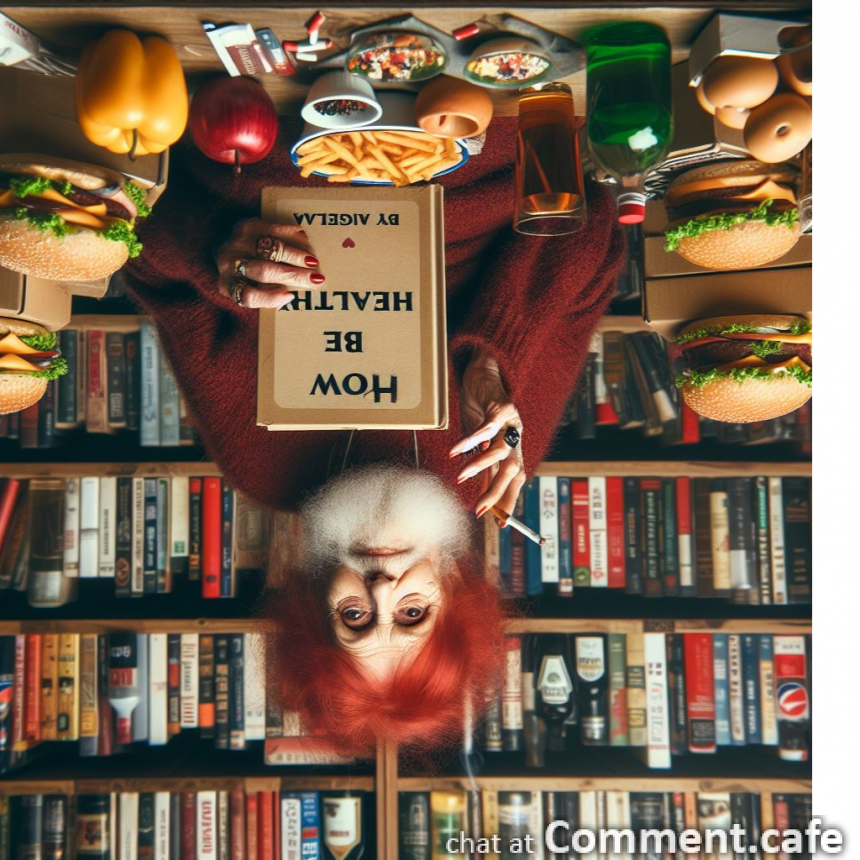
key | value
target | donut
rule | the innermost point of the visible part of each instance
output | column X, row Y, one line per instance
column 778, row 129
column 742, row 82
column 796, row 70
column 733, row 117
column 704, row 104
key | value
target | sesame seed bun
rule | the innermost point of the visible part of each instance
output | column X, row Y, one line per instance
column 783, row 322
column 752, row 400
column 18, row 391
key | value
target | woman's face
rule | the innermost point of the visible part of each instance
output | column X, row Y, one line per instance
column 379, row 611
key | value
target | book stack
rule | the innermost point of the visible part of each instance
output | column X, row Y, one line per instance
column 191, row 825
column 670, row 694
column 748, row 539
column 506, row 819
column 109, row 693
column 629, row 383
column 142, row 532
column 118, row 381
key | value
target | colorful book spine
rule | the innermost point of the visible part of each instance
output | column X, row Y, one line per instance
column 721, row 690
column 684, row 510
column 619, row 729
column 657, row 701
column 701, row 706
column 549, row 529
column 212, row 533
column 599, row 552
column 565, row 544
column 670, row 566
column 752, row 707
column 581, row 538
column 617, row 572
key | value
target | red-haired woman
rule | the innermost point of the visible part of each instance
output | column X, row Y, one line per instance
column 389, row 629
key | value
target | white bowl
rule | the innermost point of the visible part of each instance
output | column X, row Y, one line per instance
column 398, row 114
column 336, row 86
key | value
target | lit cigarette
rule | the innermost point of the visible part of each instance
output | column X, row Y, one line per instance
column 313, row 27
column 504, row 517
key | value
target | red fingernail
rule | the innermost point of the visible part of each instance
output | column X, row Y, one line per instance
column 481, row 511
column 464, row 478
column 317, row 278
column 311, row 261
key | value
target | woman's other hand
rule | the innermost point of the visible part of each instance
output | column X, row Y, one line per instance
column 261, row 265
column 487, row 413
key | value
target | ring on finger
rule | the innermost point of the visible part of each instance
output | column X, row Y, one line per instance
column 236, row 287
column 272, row 249
column 511, row 436
column 240, row 268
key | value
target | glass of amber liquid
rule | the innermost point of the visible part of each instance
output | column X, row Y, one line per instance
column 550, row 193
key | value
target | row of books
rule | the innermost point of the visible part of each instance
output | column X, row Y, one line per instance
column 667, row 694
column 500, row 824
column 141, row 532
column 188, row 825
column 747, row 539
column 109, row 692
column 628, row 382
column 117, row 381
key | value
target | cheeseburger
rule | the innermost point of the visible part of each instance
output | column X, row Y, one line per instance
column 736, row 215
column 746, row 368
column 29, row 359
column 65, row 221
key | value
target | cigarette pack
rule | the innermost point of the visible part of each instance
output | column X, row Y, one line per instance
column 368, row 349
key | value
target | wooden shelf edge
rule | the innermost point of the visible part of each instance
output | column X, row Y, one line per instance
column 608, row 783
column 203, row 469
column 250, row 784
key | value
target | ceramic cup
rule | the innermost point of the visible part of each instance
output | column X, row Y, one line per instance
column 337, row 87
column 448, row 107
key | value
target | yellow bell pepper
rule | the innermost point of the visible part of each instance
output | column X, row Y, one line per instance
column 131, row 95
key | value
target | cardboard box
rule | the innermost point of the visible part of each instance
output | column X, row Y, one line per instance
column 48, row 303
column 738, row 35
column 37, row 114
column 668, row 304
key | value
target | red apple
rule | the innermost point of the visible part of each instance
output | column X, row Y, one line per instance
column 233, row 121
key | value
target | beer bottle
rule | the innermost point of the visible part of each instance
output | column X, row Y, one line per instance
column 591, row 682
column 343, row 835
column 553, row 679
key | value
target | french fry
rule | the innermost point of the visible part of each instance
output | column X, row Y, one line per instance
column 341, row 150
column 403, row 140
column 385, row 161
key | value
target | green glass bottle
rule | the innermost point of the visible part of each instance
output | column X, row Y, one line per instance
column 629, row 87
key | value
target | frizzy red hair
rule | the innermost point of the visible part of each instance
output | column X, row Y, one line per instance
column 421, row 707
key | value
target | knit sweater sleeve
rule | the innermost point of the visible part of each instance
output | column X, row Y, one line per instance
column 535, row 310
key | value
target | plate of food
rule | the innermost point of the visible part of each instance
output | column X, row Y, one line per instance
column 396, row 57
column 391, row 151
column 508, row 64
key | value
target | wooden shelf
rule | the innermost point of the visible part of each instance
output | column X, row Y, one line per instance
column 146, row 625
column 672, row 469
column 607, row 783
column 795, row 627
column 82, row 470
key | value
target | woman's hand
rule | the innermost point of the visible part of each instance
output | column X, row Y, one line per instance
column 261, row 264
column 487, row 413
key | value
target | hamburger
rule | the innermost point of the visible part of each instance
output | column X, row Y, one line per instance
column 736, row 215
column 29, row 359
column 746, row 368
column 65, row 221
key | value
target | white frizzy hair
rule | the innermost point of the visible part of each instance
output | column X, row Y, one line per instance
column 382, row 506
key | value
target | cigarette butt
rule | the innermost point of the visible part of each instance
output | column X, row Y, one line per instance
column 313, row 26
column 466, row 32
column 306, row 58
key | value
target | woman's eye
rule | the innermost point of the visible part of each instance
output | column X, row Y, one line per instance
column 414, row 612
column 410, row 615
column 353, row 614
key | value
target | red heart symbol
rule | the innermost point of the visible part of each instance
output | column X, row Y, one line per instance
column 348, row 243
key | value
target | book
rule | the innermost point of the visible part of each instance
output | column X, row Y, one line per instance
column 684, row 510
column 677, row 693
column 49, row 685
column 138, row 536
column 159, row 733
column 222, row 692
column 752, row 712
column 124, row 536
column 617, row 575
column 255, row 687
column 236, row 677
column 88, row 679
column 598, row 549
column 195, row 527
column 720, row 540
column 97, row 383
column 89, row 528
column 146, row 826
column 701, row 705
column 565, row 544
column 107, row 526
column 637, row 705
column 163, row 576
column 116, row 376
column 797, row 524
column 737, row 714
column 228, row 585
column 742, row 555
column 212, row 525
column 150, row 405
column 189, row 702
column 174, row 684
column 581, row 540
column 47, row 586
column 721, row 690
column 179, row 523
column 390, row 370
column 206, row 692
column 168, row 399
column 704, row 561
column 150, row 535
column 140, row 717
column 207, row 823
column 548, row 528
column 761, row 513
column 619, row 734
column 767, row 690
column 657, row 701
column 650, row 490
column 68, row 697
column 632, row 537
column 777, row 542
column 669, row 560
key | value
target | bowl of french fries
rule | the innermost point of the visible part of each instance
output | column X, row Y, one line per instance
column 391, row 151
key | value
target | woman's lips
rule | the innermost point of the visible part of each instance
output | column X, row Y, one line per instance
column 378, row 551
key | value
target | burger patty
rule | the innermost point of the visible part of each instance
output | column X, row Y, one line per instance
column 713, row 206
column 76, row 195
column 724, row 351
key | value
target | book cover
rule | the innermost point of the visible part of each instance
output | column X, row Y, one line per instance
column 211, row 558
column 227, row 579
column 238, row 850
column 48, row 686
column 368, row 351
column 195, row 527
column 792, row 696
column 222, row 692
column 670, row 569
column 138, row 536
column 581, row 540
column 188, row 850
column 636, row 695
column 206, row 708
column 129, row 810
column 150, row 406
column 702, row 528
column 88, row 678
column 116, row 377
column 720, row 552
column 701, row 707
column 150, row 535
column 599, row 552
column 207, row 823
column 237, row 692
column 163, row 575
column 124, row 526
column 162, row 818
column 548, row 528
column 679, row 733
column 762, row 527
column 797, row 520
column 737, row 712
column 617, row 574
column 174, row 683
column 179, row 523
column 565, row 543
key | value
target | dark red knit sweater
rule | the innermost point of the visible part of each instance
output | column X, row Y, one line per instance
column 531, row 302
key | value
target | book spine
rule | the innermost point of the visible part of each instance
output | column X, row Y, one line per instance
column 169, row 401
column 71, row 529
column 255, row 687
column 617, row 573
column 158, row 727
column 195, row 527
column 116, row 374
column 650, row 489
column 702, row 530
column 150, row 406
column 777, row 543
column 792, row 697
column 581, row 539
column 67, row 387
column 132, row 380
column 150, row 535
column 684, row 505
column 189, row 704
column 138, row 536
column 222, row 692
column 174, row 684
column 265, row 826
column 49, row 685
column 237, row 692
column 146, row 826
column 96, row 383
column 161, row 811
column 637, row 705
column 107, row 527
column 212, row 532
column 518, row 551
column 632, row 536
column 597, row 532
column 68, row 706
column 163, row 580
column 223, row 825
column 189, row 826
column 123, row 536
column 140, row 715
column 237, row 825
column 752, row 714
column 88, row 680
column 32, row 689
column 28, row 836
column 55, row 836
column 206, row 714
column 129, row 809
column 741, row 554
column 767, row 687
column 720, row 553
column 657, row 699
column 89, row 531
column 548, row 529
column 227, row 579
column 722, row 707
column 179, row 525
column 762, row 526
column 677, row 693
column 291, row 827
column 207, row 822
column 670, row 566
column 736, row 691
column 106, row 734
column 176, row 802
column 251, row 827
column 532, row 552
column 512, row 695
column 619, row 732
column 798, row 538
column 701, row 706
column 565, row 544
column 19, row 688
